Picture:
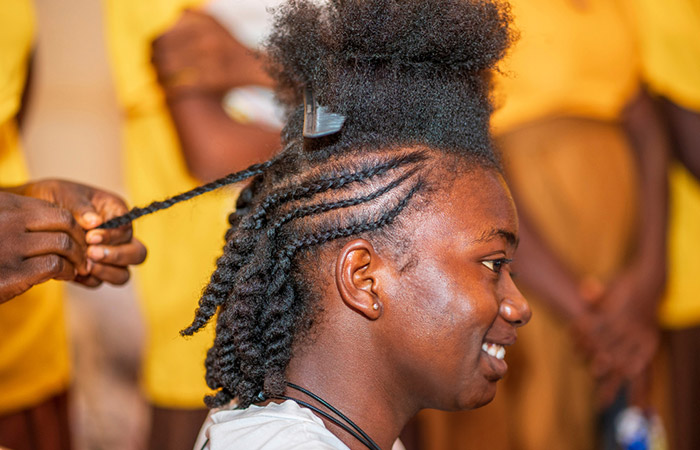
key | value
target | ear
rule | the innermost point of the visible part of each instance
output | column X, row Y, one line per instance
column 357, row 276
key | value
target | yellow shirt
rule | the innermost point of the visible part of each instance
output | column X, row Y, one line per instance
column 34, row 363
column 582, row 73
column 681, row 307
column 669, row 35
column 669, row 39
column 183, row 242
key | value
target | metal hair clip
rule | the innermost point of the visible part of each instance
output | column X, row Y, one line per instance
column 317, row 121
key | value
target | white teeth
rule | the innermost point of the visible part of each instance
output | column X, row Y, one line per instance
column 501, row 353
column 495, row 350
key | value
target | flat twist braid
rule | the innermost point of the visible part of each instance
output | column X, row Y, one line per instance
column 345, row 203
column 309, row 188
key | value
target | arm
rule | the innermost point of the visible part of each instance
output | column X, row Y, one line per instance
column 540, row 271
column 684, row 125
column 213, row 144
column 197, row 62
column 627, row 336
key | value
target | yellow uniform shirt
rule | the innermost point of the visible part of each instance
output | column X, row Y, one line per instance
column 681, row 307
column 669, row 35
column 569, row 79
column 34, row 363
column 183, row 242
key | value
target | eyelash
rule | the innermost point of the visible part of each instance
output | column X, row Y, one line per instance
column 496, row 265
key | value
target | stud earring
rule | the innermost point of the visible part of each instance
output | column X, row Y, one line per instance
column 375, row 306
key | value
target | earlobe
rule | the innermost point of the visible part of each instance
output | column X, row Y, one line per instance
column 357, row 278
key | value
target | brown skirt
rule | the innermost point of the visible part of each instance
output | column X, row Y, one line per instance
column 42, row 427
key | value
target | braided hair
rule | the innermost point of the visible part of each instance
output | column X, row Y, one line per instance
column 412, row 78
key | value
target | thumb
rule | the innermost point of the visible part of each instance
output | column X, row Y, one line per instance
column 85, row 214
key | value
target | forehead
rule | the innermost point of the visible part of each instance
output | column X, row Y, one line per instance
column 476, row 206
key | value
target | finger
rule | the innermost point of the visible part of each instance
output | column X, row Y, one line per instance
column 120, row 255
column 54, row 219
column 55, row 230
column 30, row 272
column 84, row 212
column 601, row 364
column 45, row 267
column 115, row 236
column 88, row 281
column 640, row 389
column 46, row 242
column 111, row 274
column 608, row 389
column 109, row 206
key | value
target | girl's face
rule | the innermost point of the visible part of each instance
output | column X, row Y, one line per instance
column 456, row 310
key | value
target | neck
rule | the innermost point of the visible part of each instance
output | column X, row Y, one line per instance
column 347, row 375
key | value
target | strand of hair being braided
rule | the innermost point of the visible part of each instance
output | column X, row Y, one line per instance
column 253, row 170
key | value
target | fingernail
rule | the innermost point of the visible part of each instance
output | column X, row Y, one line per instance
column 93, row 238
column 96, row 253
column 91, row 218
column 90, row 265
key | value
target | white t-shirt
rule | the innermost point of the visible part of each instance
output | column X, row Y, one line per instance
column 277, row 426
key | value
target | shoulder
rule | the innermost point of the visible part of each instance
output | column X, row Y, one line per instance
column 284, row 426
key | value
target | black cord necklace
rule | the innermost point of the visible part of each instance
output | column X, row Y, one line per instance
column 355, row 431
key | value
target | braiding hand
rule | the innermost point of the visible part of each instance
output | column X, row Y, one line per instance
column 109, row 253
column 40, row 241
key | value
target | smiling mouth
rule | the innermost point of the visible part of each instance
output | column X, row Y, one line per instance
column 495, row 350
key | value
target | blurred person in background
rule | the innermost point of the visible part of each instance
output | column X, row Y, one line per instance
column 585, row 154
column 173, row 64
column 670, row 50
column 42, row 230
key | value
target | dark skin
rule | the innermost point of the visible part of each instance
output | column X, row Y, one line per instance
column 684, row 125
column 420, row 347
column 614, row 324
column 197, row 62
column 47, row 230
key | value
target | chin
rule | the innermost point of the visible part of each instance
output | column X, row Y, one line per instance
column 477, row 398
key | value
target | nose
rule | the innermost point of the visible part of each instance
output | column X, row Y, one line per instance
column 515, row 309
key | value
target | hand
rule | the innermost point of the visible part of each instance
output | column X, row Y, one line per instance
column 200, row 55
column 40, row 241
column 623, row 333
column 110, row 252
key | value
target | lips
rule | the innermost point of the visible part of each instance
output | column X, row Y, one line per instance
column 494, row 348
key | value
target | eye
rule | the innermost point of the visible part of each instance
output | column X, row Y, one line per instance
column 496, row 265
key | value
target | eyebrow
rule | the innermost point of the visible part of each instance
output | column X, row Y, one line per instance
column 509, row 236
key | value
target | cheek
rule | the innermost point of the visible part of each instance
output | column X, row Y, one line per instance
column 452, row 316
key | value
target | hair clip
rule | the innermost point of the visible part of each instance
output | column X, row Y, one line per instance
column 317, row 121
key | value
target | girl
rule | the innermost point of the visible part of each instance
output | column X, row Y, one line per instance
column 366, row 275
